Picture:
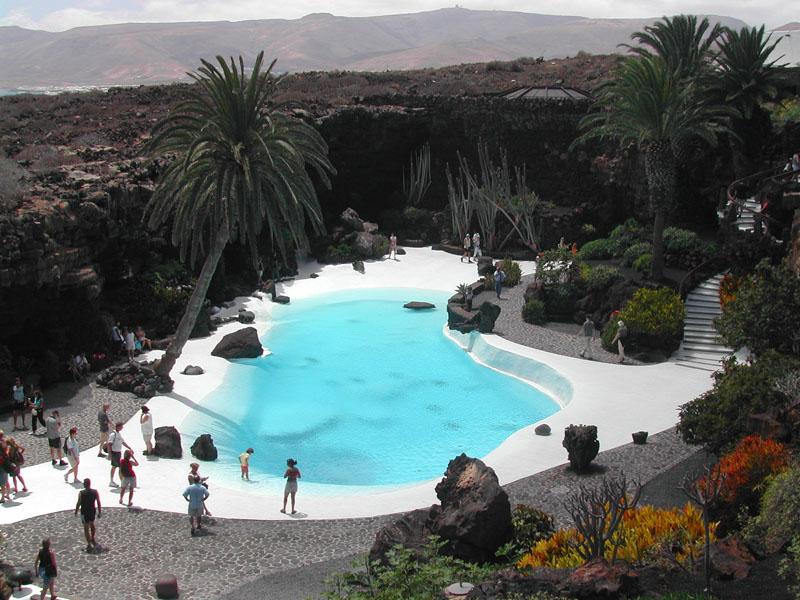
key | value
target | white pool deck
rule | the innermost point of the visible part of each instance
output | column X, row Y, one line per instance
column 618, row 399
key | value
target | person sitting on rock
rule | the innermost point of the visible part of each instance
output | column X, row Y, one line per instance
column 142, row 338
column 80, row 366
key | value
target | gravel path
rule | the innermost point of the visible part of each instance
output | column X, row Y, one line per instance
column 241, row 560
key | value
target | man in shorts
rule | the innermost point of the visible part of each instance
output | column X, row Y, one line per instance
column 104, row 420
column 53, row 426
column 88, row 499
column 116, row 442
column 195, row 495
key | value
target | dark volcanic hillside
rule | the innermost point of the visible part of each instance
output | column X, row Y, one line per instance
column 131, row 54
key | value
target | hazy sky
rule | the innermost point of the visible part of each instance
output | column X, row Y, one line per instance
column 58, row 15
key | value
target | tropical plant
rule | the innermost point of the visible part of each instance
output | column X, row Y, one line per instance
column 779, row 518
column 418, row 178
column 512, row 270
column 642, row 264
column 763, row 315
column 634, row 251
column 745, row 78
column 649, row 104
column 654, row 313
column 602, row 277
column 237, row 165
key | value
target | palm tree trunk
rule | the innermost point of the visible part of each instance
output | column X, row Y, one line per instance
column 661, row 175
column 195, row 303
column 657, row 259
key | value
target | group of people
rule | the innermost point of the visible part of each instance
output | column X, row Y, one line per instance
column 472, row 247
column 793, row 164
column 127, row 341
column 11, row 460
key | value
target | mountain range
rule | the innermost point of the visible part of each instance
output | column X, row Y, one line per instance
column 148, row 53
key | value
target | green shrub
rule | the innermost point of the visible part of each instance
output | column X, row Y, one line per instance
column 682, row 248
column 598, row 249
column 634, row 251
column 418, row 573
column 559, row 300
column 654, row 313
column 627, row 234
column 642, row 264
column 602, row 277
column 380, row 247
column 534, row 312
column 530, row 526
column 763, row 314
column 779, row 519
column 744, row 250
column 790, row 566
column 718, row 418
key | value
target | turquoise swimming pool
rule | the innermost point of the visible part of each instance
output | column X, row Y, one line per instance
column 362, row 392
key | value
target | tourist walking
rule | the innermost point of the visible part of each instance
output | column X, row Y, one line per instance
column 36, row 404
column 476, row 246
column 18, row 402
column 195, row 472
column 73, row 454
column 53, row 426
column 127, row 476
column 88, row 499
column 146, row 421
column 622, row 332
column 16, row 457
column 195, row 495
column 499, row 278
column 45, row 566
column 467, row 243
column 393, row 246
column 587, row 331
column 291, row 475
column 244, row 462
column 104, row 420
column 115, row 444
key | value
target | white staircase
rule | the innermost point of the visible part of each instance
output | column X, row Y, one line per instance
column 746, row 218
column 700, row 348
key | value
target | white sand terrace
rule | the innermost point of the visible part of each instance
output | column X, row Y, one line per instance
column 618, row 399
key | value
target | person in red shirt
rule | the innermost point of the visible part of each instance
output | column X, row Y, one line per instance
column 127, row 476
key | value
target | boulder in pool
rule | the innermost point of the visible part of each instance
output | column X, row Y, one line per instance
column 243, row 343
column 204, row 448
column 419, row 305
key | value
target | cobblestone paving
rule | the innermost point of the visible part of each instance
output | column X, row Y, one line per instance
column 559, row 338
column 140, row 545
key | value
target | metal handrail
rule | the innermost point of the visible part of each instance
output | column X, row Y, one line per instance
column 744, row 180
column 684, row 289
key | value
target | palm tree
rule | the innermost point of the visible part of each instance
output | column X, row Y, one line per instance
column 237, row 165
column 747, row 79
column 648, row 104
column 684, row 44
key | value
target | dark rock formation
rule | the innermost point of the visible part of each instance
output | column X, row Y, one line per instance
column 192, row 370
column 485, row 266
column 474, row 518
column 582, row 445
column 358, row 265
column 464, row 321
column 281, row 299
column 246, row 316
column 543, row 429
column 419, row 305
column 138, row 378
column 168, row 443
column 730, row 559
column 203, row 448
column 243, row 343
column 598, row 578
column 639, row 437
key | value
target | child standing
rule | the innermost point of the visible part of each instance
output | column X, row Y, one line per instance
column 127, row 476
column 291, row 475
column 244, row 461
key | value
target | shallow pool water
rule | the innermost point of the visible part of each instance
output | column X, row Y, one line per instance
column 362, row 392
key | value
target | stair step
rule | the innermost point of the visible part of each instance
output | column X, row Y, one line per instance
column 705, row 292
column 691, row 365
column 701, row 302
column 710, row 351
column 698, row 311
